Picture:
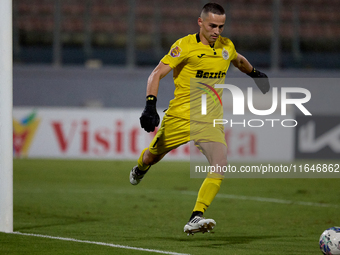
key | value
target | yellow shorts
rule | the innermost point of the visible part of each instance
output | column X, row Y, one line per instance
column 175, row 131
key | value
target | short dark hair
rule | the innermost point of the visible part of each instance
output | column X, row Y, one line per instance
column 213, row 8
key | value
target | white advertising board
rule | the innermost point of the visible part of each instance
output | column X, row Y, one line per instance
column 82, row 133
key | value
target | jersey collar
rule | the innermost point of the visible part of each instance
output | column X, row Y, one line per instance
column 198, row 39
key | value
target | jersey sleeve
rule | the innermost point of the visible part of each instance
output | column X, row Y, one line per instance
column 177, row 54
column 233, row 53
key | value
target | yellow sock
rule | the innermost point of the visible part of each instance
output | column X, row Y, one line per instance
column 141, row 165
column 209, row 189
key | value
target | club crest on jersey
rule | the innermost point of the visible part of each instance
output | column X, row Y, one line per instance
column 225, row 54
column 175, row 52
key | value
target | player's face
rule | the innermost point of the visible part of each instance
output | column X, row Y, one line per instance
column 211, row 26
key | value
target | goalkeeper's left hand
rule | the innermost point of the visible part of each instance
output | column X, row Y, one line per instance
column 261, row 80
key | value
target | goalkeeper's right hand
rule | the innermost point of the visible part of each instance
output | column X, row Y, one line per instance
column 149, row 118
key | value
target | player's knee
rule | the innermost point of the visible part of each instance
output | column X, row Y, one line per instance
column 220, row 162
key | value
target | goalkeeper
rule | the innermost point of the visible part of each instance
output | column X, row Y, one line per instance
column 205, row 55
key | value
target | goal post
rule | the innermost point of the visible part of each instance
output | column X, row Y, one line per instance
column 6, row 122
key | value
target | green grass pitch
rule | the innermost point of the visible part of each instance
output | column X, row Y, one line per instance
column 94, row 201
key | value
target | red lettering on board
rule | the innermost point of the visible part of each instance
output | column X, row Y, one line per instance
column 62, row 139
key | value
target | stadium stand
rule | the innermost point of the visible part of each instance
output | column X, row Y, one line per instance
column 248, row 21
column 110, row 16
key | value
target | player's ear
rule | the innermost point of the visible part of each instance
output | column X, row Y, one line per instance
column 200, row 21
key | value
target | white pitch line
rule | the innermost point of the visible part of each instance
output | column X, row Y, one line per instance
column 266, row 199
column 99, row 243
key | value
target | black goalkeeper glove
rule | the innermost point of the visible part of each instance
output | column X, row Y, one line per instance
column 261, row 80
column 149, row 118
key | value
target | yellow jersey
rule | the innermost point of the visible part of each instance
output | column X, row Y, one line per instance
column 196, row 69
